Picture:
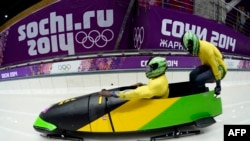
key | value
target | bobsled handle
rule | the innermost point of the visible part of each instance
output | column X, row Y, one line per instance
column 100, row 100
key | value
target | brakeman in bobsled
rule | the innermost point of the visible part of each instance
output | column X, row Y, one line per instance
column 213, row 67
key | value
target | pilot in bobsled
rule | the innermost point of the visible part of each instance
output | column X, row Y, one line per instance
column 126, row 110
column 157, row 86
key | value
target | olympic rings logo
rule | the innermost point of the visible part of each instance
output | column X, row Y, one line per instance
column 230, row 64
column 94, row 37
column 138, row 37
column 64, row 67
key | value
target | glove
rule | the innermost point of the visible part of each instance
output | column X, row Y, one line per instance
column 217, row 90
column 105, row 93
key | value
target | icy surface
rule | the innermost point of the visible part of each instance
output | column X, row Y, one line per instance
column 18, row 112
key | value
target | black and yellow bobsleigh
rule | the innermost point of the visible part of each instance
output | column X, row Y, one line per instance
column 92, row 114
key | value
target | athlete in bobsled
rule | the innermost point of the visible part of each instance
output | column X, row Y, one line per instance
column 212, row 68
column 164, row 109
column 157, row 86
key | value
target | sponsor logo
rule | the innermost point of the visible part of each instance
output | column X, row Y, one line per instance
column 64, row 67
column 94, row 38
column 55, row 33
column 138, row 37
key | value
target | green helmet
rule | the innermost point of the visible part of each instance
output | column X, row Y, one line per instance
column 156, row 66
column 190, row 41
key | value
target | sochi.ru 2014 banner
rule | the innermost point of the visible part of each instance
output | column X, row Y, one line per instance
column 65, row 28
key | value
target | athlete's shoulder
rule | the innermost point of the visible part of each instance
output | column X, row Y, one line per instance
column 205, row 43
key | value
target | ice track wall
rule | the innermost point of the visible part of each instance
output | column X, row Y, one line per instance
column 86, row 83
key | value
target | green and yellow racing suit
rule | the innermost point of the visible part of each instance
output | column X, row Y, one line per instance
column 211, row 56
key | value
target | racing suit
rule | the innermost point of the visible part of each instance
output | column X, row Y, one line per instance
column 212, row 69
column 156, row 88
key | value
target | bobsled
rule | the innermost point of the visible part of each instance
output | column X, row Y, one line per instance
column 93, row 115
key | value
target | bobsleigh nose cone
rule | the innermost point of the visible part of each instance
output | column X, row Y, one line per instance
column 43, row 126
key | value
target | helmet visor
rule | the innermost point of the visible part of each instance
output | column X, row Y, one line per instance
column 148, row 69
column 190, row 48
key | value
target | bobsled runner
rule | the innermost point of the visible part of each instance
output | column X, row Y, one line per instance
column 92, row 115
